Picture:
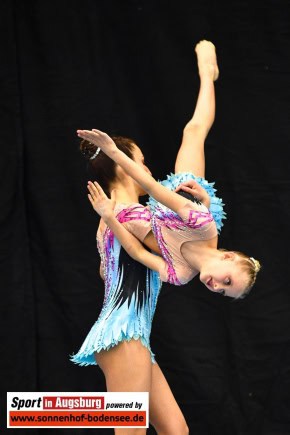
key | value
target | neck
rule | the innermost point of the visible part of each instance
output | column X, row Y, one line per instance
column 198, row 253
column 125, row 193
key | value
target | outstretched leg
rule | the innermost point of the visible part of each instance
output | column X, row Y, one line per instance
column 191, row 154
column 190, row 157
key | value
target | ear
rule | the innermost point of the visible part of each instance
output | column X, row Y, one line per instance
column 229, row 255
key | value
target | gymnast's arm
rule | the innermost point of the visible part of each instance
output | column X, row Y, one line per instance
column 151, row 243
column 105, row 208
column 133, row 246
column 102, row 272
column 152, row 187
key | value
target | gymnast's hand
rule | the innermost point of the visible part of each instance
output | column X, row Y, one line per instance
column 195, row 189
column 100, row 202
column 99, row 138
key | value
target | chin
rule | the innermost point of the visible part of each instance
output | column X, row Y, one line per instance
column 202, row 280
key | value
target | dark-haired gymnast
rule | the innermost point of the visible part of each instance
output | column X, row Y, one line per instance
column 120, row 339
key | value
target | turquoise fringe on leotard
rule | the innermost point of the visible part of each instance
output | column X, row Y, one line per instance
column 216, row 204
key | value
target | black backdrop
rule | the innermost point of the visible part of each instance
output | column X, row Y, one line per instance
column 128, row 67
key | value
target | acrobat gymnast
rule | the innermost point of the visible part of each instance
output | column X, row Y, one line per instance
column 119, row 341
column 186, row 230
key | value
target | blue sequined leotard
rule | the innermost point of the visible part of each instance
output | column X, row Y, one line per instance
column 131, row 290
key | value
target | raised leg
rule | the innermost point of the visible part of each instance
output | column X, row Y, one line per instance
column 190, row 157
column 191, row 154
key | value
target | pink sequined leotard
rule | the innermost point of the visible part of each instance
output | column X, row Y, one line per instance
column 193, row 222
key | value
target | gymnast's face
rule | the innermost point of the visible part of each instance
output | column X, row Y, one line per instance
column 139, row 159
column 225, row 275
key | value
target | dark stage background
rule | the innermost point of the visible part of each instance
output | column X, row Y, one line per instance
column 128, row 67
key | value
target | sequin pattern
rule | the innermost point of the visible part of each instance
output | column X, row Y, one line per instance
column 131, row 293
column 170, row 230
column 216, row 204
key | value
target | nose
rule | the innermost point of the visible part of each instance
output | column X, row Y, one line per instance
column 216, row 287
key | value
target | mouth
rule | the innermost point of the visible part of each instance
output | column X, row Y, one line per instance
column 209, row 283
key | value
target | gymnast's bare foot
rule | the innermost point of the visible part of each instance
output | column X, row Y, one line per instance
column 206, row 59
